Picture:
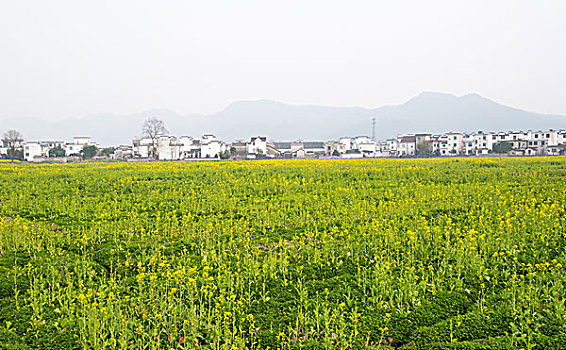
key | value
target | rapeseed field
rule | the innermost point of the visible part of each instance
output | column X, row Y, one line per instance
column 284, row 254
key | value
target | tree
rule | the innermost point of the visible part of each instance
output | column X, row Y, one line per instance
column 12, row 140
column 502, row 147
column 153, row 129
column 424, row 148
column 225, row 155
column 89, row 151
column 57, row 152
column 108, row 151
column 335, row 153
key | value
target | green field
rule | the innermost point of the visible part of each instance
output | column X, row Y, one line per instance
column 313, row 254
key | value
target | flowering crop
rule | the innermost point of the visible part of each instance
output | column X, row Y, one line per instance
column 337, row 254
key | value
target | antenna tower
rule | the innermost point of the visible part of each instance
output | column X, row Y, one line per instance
column 373, row 128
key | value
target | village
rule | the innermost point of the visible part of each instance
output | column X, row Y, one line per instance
column 208, row 146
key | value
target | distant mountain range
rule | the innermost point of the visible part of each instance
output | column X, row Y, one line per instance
column 428, row 112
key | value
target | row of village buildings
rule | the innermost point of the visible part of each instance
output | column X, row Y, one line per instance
column 519, row 143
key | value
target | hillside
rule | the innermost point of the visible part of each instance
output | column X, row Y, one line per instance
column 427, row 112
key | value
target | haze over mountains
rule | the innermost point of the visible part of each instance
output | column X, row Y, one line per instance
column 428, row 112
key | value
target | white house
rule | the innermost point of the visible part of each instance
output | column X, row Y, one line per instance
column 75, row 147
column 347, row 142
column 361, row 139
column 365, row 145
column 141, row 147
column 407, row 146
column 313, row 148
column 367, row 148
column 352, row 154
column 123, row 152
column 39, row 149
column 210, row 147
column 455, row 142
column 390, row 147
column 550, row 137
column 477, row 143
column 333, row 147
column 440, row 145
column 32, row 150
column 190, row 147
column 168, row 148
column 257, row 145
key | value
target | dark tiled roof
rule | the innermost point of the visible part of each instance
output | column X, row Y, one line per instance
column 313, row 144
column 282, row 145
column 408, row 139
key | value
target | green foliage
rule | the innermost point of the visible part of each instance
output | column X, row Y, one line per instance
column 424, row 148
column 89, row 151
column 107, row 151
column 57, row 151
column 442, row 306
column 470, row 326
column 225, row 154
column 502, row 147
column 16, row 154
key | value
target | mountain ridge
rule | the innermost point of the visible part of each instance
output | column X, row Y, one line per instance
column 433, row 112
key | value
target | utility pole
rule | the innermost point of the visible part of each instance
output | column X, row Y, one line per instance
column 373, row 128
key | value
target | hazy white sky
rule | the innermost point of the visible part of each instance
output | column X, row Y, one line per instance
column 70, row 58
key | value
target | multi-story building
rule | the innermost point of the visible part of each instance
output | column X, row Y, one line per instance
column 407, row 146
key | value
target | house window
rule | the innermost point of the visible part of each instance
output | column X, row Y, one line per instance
column 536, row 136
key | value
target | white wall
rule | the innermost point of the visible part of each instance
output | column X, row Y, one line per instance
column 32, row 150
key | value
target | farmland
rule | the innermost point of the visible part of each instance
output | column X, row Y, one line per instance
column 313, row 254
